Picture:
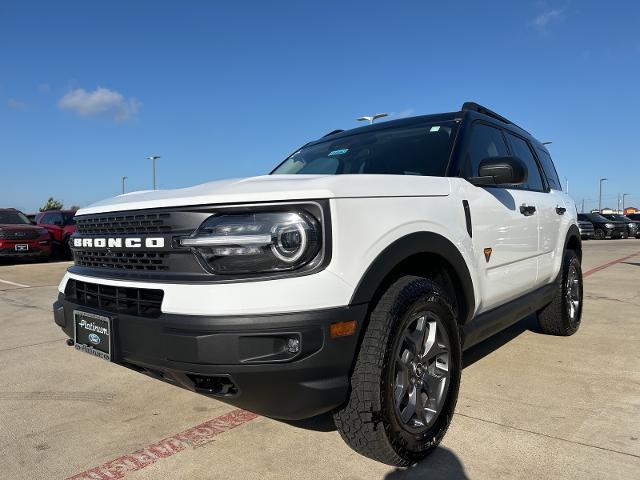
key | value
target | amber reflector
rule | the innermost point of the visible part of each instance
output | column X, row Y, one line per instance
column 343, row 329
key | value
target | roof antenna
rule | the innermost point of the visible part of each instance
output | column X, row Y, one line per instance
column 372, row 118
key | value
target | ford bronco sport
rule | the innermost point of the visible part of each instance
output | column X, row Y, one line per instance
column 349, row 280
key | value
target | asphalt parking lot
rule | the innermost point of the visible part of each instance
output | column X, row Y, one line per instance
column 530, row 406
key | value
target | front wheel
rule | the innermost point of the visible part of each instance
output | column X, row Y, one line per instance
column 599, row 234
column 405, row 383
column 563, row 315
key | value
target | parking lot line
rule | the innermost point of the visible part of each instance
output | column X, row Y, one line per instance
column 609, row 264
column 14, row 284
column 192, row 437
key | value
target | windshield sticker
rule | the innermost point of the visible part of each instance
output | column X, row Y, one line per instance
column 342, row 151
column 434, row 129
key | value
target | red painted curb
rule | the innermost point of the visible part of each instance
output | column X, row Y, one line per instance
column 192, row 437
column 606, row 265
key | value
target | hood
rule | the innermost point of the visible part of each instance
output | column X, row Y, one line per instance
column 277, row 188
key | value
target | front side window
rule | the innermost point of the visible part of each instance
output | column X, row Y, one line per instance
column 413, row 150
column 522, row 150
column 485, row 142
column 593, row 217
column 13, row 218
column 549, row 169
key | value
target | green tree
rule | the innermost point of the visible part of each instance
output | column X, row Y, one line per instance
column 51, row 204
column 74, row 207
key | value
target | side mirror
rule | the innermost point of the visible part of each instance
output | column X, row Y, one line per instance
column 500, row 171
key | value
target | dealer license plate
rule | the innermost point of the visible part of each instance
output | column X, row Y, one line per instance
column 93, row 334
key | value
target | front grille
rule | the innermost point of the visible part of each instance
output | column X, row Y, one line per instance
column 134, row 223
column 19, row 235
column 143, row 302
column 136, row 261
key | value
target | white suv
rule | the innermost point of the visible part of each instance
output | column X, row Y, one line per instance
column 349, row 280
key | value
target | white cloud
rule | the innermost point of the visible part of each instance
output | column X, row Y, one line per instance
column 16, row 104
column 100, row 102
column 547, row 17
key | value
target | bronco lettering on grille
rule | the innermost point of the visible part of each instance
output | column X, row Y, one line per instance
column 131, row 242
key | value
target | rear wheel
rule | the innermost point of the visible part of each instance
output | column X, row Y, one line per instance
column 563, row 315
column 405, row 383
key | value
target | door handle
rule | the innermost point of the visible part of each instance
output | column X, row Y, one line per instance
column 527, row 210
column 560, row 210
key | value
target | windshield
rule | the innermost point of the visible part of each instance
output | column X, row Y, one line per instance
column 594, row 217
column 68, row 219
column 413, row 150
column 621, row 218
column 14, row 218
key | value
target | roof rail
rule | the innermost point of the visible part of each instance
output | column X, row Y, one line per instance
column 474, row 107
column 332, row 132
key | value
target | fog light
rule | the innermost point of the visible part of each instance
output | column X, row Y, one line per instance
column 293, row 345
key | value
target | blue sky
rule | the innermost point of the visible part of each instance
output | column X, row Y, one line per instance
column 223, row 89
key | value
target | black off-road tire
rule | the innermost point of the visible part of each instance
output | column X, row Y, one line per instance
column 556, row 318
column 368, row 422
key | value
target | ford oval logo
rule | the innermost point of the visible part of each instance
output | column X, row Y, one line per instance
column 93, row 338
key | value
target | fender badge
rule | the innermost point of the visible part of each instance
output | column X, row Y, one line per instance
column 487, row 254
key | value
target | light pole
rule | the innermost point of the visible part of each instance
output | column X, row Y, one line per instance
column 123, row 179
column 600, row 196
column 371, row 118
column 624, row 195
column 153, row 159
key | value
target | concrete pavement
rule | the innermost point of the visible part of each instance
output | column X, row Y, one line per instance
column 530, row 406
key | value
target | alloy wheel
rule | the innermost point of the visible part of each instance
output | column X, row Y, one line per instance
column 421, row 371
column 573, row 293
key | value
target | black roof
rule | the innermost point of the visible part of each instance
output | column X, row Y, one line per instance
column 468, row 109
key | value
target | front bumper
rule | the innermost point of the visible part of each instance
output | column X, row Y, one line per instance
column 35, row 248
column 242, row 360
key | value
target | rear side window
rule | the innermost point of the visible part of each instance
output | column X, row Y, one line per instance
column 522, row 150
column 485, row 141
column 549, row 169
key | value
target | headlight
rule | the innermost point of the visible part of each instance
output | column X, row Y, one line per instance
column 257, row 242
column 43, row 231
column 609, row 225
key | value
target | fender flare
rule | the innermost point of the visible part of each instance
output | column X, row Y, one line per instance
column 573, row 232
column 405, row 247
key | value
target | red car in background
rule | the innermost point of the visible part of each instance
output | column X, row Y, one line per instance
column 19, row 238
column 61, row 226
